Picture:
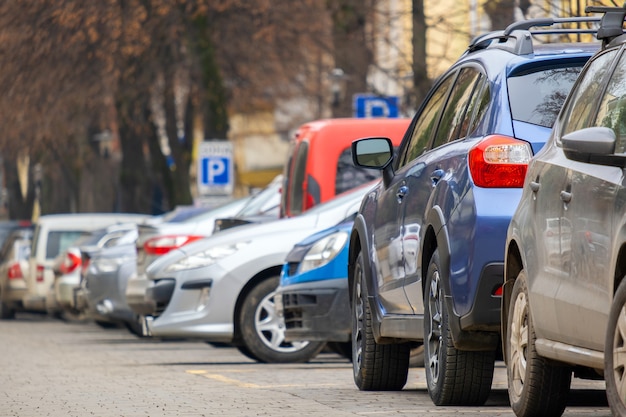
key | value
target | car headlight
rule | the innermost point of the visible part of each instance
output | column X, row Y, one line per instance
column 323, row 251
column 206, row 257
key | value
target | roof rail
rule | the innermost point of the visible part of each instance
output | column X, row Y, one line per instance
column 612, row 22
column 516, row 38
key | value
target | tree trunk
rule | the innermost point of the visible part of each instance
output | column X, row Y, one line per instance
column 501, row 13
column 421, row 82
column 351, row 51
column 135, row 127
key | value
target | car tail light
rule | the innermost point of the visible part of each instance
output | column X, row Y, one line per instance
column 161, row 245
column 15, row 271
column 70, row 263
column 39, row 273
column 498, row 291
column 499, row 162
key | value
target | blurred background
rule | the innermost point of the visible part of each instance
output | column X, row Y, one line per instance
column 144, row 105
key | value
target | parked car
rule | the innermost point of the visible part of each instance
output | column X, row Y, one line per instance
column 105, row 272
column 564, row 295
column 221, row 289
column 13, row 270
column 312, row 296
column 319, row 163
column 158, row 238
column 262, row 206
column 8, row 226
column 54, row 233
column 426, row 254
column 70, row 265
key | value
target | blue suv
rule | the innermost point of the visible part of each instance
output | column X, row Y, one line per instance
column 426, row 253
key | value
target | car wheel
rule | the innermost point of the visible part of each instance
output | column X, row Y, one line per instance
column 614, row 359
column 6, row 312
column 453, row 377
column 243, row 349
column 106, row 324
column 376, row 367
column 135, row 326
column 263, row 330
column 537, row 386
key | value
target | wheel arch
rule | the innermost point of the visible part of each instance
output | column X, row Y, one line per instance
column 358, row 240
column 252, row 282
column 436, row 237
column 620, row 268
column 513, row 264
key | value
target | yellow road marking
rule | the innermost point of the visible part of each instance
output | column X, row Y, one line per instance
column 242, row 384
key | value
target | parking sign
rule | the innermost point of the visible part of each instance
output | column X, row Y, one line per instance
column 215, row 168
column 370, row 105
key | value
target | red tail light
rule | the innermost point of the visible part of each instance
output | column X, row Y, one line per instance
column 499, row 162
column 161, row 245
column 40, row 273
column 498, row 292
column 15, row 271
column 70, row 263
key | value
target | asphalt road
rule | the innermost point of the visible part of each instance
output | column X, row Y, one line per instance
column 53, row 368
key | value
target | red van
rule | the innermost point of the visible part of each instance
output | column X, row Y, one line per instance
column 319, row 165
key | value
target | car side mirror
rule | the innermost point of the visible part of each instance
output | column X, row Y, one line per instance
column 376, row 153
column 593, row 145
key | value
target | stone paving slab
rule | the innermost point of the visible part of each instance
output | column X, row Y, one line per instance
column 54, row 368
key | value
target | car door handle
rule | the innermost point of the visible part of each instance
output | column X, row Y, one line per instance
column 401, row 193
column 566, row 197
column 436, row 175
column 534, row 186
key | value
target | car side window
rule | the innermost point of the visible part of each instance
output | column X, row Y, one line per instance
column 424, row 127
column 612, row 111
column 454, row 115
column 581, row 111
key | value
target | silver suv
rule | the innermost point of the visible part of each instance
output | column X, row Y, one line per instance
column 564, row 298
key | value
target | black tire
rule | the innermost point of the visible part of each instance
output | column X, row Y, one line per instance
column 135, row 326
column 614, row 347
column 263, row 331
column 6, row 312
column 537, row 386
column 106, row 324
column 376, row 367
column 453, row 377
column 243, row 349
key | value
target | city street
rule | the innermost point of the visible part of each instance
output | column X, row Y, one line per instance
column 55, row 368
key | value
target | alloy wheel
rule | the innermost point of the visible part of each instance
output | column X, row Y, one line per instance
column 270, row 327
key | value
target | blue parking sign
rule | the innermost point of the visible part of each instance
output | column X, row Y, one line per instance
column 370, row 105
column 215, row 170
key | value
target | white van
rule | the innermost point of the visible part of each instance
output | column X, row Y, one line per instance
column 55, row 233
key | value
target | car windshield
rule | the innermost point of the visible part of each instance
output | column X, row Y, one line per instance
column 536, row 97
column 264, row 201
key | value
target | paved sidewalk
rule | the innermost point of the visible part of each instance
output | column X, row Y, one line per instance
column 53, row 368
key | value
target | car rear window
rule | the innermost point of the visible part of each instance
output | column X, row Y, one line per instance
column 537, row 97
column 59, row 241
